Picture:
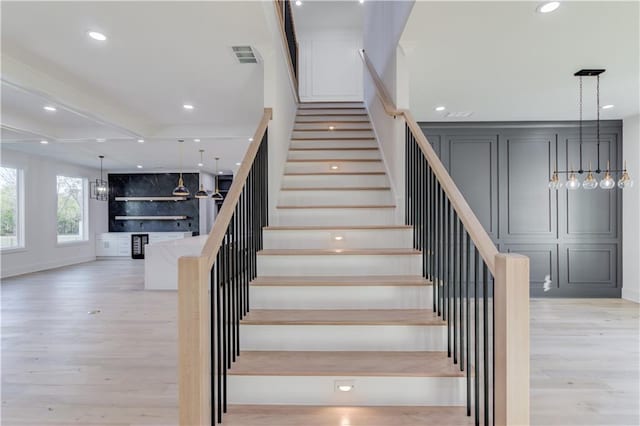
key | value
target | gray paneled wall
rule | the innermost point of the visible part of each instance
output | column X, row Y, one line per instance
column 574, row 237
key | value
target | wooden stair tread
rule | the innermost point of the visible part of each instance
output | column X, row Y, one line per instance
column 300, row 415
column 343, row 317
column 339, row 207
column 332, row 121
column 336, row 160
column 339, row 252
column 336, row 149
column 345, row 363
column 341, row 188
column 353, row 281
column 333, row 173
column 351, row 129
column 334, row 227
column 337, row 138
column 328, row 114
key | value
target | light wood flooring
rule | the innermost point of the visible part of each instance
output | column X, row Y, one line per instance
column 62, row 365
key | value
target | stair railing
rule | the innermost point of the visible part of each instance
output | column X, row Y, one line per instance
column 483, row 295
column 288, row 32
column 213, row 289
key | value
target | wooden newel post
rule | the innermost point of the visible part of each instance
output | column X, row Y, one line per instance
column 194, row 342
column 511, row 305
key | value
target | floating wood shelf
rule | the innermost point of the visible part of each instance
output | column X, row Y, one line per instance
column 150, row 217
column 159, row 198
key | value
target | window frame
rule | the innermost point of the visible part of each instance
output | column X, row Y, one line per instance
column 20, row 218
column 84, row 224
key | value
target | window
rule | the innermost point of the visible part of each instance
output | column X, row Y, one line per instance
column 72, row 208
column 11, row 208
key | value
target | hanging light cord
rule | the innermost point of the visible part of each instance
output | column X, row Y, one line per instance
column 598, row 121
column 580, row 171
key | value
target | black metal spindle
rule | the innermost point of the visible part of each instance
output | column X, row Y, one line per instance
column 460, row 296
column 485, row 335
column 468, row 318
column 476, row 335
column 455, row 287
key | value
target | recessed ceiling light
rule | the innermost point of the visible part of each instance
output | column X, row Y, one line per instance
column 220, row 173
column 440, row 108
column 237, row 164
column 187, row 106
column 196, row 140
column 361, row 1
column 139, row 166
column 50, row 108
column 97, row 36
column 608, row 106
column 250, row 139
column 140, row 140
column 200, row 165
column 298, row 3
column 548, row 7
column 43, row 142
column 101, row 140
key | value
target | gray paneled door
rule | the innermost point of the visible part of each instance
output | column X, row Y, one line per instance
column 573, row 238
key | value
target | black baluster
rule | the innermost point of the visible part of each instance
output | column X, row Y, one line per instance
column 476, row 336
column 455, row 287
column 485, row 334
column 468, row 318
column 460, row 299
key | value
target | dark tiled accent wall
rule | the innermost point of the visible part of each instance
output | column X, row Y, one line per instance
column 502, row 169
column 152, row 184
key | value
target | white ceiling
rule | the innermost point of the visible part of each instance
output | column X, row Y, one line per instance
column 136, row 82
column 504, row 61
column 315, row 15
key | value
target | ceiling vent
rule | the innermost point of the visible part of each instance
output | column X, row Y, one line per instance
column 461, row 114
column 245, row 54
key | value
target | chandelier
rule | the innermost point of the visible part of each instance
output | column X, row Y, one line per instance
column 181, row 190
column 100, row 187
column 590, row 182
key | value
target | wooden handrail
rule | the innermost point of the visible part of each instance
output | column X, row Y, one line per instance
column 477, row 232
column 216, row 236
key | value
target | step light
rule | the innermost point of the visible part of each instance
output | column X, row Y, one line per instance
column 334, row 167
column 344, row 385
column 332, row 127
column 338, row 238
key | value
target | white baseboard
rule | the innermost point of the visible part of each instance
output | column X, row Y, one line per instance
column 42, row 266
column 631, row 295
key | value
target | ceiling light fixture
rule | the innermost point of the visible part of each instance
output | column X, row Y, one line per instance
column 181, row 190
column 201, row 164
column 187, row 106
column 548, row 7
column 100, row 140
column 250, row 139
column 97, row 36
column 201, row 192
column 361, row 1
column 99, row 189
column 140, row 140
column 50, row 108
column 139, row 166
column 608, row 182
column 196, row 140
column 217, row 196
column 608, row 106
column 298, row 2
column 440, row 108
column 44, row 142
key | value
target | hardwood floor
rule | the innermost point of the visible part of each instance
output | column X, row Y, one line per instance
column 62, row 365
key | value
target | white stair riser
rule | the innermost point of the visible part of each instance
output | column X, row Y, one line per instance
column 338, row 216
column 342, row 143
column 326, row 238
column 333, row 197
column 323, row 111
column 312, row 105
column 337, row 126
column 333, row 181
column 329, row 118
column 341, row 297
column 342, row 338
column 333, row 265
column 321, row 154
column 325, row 166
column 367, row 391
column 332, row 134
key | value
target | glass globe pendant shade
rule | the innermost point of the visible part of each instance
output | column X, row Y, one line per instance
column 555, row 183
column 590, row 182
column 202, row 193
column 573, row 182
column 607, row 182
column 180, row 190
column 625, row 181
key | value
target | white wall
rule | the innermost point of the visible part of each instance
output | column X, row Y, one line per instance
column 384, row 22
column 41, row 249
column 631, row 211
column 208, row 207
column 279, row 94
column 329, row 66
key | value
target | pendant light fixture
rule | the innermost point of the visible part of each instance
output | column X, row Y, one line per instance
column 181, row 190
column 590, row 182
column 201, row 192
column 216, row 194
column 100, row 187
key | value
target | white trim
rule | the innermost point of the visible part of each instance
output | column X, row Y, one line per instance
column 631, row 295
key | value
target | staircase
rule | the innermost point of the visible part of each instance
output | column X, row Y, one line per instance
column 341, row 329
